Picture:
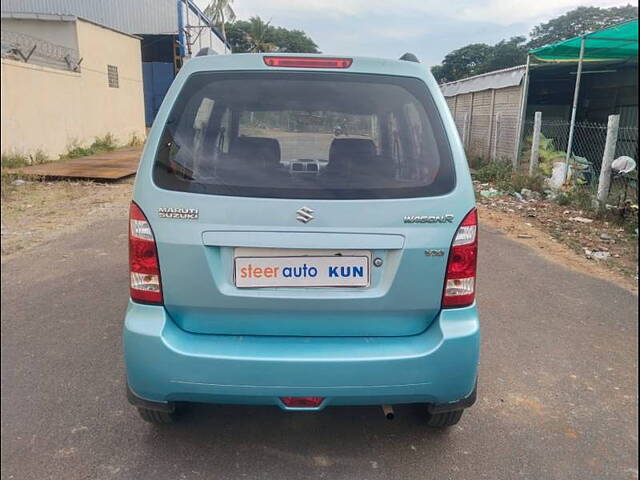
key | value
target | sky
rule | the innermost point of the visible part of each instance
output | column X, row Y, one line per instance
column 428, row 28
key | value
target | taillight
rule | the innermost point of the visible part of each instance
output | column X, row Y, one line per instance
column 302, row 402
column 307, row 62
column 460, row 283
column 144, row 269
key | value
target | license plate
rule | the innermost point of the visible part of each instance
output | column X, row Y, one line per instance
column 308, row 271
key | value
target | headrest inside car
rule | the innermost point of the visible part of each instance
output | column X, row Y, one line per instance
column 346, row 152
column 266, row 150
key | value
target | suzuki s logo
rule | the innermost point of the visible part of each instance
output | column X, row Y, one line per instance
column 429, row 219
column 304, row 214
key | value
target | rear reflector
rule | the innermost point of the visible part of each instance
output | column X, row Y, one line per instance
column 144, row 269
column 302, row 402
column 460, row 288
column 307, row 62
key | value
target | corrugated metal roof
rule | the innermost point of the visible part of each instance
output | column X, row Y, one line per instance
column 58, row 17
column 151, row 17
column 508, row 77
column 38, row 16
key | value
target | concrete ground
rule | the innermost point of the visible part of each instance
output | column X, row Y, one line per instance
column 557, row 395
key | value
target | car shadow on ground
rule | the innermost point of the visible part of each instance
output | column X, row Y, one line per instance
column 336, row 439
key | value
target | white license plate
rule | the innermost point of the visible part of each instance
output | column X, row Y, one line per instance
column 309, row 271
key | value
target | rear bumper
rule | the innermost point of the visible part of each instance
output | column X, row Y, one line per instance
column 166, row 364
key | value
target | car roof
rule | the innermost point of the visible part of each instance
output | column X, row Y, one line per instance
column 254, row 61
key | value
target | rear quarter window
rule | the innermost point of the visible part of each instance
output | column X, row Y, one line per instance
column 304, row 135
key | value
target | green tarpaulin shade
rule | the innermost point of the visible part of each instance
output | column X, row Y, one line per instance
column 614, row 43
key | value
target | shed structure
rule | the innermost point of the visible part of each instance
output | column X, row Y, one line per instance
column 576, row 84
column 486, row 109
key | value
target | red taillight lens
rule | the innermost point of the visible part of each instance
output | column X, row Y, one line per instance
column 307, row 62
column 302, row 402
column 460, row 283
column 144, row 269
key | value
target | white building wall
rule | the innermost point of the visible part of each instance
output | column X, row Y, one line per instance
column 52, row 109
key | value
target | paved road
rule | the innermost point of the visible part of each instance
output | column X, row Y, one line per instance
column 557, row 398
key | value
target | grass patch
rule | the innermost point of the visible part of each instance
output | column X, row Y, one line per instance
column 506, row 179
column 134, row 141
column 518, row 181
column 493, row 172
column 580, row 197
column 105, row 143
column 16, row 160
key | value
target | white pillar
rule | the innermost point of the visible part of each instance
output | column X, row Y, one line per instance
column 496, row 137
column 604, row 183
column 465, row 128
column 574, row 109
column 491, row 113
column 535, row 143
column 522, row 114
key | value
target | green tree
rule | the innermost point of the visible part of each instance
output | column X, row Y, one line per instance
column 480, row 58
column 506, row 53
column 578, row 22
column 295, row 41
column 256, row 35
column 220, row 12
column 463, row 62
column 259, row 36
column 237, row 36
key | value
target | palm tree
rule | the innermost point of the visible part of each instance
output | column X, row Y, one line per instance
column 220, row 11
column 257, row 36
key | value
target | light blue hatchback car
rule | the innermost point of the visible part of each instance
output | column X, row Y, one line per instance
column 303, row 233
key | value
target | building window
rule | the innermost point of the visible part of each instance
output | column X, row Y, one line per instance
column 112, row 75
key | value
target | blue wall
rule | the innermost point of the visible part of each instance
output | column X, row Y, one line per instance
column 156, row 78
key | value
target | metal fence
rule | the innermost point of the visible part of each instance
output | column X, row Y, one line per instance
column 589, row 144
column 28, row 49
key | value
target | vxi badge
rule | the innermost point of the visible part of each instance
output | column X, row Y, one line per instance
column 448, row 218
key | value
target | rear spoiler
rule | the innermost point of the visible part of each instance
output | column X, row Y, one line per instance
column 409, row 57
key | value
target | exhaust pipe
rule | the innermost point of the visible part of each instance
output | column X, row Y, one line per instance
column 388, row 412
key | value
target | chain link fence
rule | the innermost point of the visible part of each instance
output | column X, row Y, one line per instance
column 587, row 151
column 29, row 49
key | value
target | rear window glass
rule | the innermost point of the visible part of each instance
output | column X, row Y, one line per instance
column 304, row 135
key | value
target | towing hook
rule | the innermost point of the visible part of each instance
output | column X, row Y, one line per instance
column 388, row 412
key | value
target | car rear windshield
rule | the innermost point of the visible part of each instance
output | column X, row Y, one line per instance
column 304, row 135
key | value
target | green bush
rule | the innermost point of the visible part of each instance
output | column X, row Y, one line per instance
column 77, row 151
column 494, row 172
column 578, row 197
column 547, row 153
column 520, row 180
column 106, row 143
column 477, row 162
column 502, row 175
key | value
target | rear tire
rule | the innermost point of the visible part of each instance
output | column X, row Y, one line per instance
column 155, row 416
column 444, row 420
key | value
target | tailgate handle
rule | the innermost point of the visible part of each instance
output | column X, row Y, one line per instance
column 306, row 240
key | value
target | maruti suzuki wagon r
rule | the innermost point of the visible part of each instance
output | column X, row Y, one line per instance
column 303, row 233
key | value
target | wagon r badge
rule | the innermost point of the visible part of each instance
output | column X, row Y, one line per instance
column 448, row 218
column 304, row 214
column 182, row 213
